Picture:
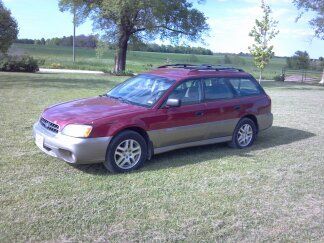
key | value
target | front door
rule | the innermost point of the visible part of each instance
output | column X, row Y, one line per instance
column 184, row 124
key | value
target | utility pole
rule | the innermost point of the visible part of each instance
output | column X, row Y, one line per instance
column 74, row 24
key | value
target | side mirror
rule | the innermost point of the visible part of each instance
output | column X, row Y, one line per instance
column 173, row 102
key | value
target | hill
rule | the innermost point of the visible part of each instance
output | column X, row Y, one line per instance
column 137, row 61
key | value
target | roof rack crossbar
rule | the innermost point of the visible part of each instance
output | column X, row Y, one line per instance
column 178, row 65
column 202, row 67
column 217, row 69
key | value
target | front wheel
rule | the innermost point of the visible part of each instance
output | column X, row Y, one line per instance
column 244, row 134
column 127, row 151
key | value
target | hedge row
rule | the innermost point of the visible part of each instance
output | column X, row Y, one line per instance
column 20, row 64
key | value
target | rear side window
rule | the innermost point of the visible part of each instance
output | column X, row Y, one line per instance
column 244, row 87
column 217, row 88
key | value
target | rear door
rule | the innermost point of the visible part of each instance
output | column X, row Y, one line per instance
column 177, row 125
column 251, row 97
column 222, row 107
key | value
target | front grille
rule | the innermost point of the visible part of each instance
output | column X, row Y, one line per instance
column 49, row 125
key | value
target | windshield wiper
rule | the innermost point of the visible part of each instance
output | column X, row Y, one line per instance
column 119, row 98
column 102, row 95
column 123, row 100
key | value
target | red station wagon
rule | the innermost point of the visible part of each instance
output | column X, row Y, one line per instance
column 171, row 107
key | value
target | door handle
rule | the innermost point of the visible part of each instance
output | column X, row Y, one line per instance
column 237, row 107
column 199, row 113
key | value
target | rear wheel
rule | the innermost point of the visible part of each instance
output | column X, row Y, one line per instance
column 244, row 134
column 126, row 152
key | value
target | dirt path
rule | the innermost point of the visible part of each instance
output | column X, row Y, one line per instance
column 47, row 70
column 300, row 79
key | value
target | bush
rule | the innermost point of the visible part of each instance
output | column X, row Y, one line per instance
column 233, row 59
column 20, row 64
column 147, row 66
column 227, row 60
column 279, row 78
column 56, row 66
column 238, row 60
column 122, row 73
column 300, row 60
column 193, row 58
column 101, row 49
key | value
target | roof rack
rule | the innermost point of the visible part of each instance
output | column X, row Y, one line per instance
column 203, row 67
column 178, row 65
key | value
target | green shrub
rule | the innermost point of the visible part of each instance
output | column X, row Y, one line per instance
column 238, row 60
column 20, row 64
column 101, row 49
column 279, row 78
column 227, row 59
column 148, row 66
column 192, row 58
column 56, row 65
column 233, row 59
column 122, row 73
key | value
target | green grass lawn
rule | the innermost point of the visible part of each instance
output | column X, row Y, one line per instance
column 136, row 61
column 272, row 191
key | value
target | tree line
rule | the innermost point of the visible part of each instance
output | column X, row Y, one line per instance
column 171, row 49
column 89, row 41
column 301, row 60
column 92, row 41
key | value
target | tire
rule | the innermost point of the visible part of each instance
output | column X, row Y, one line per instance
column 126, row 152
column 244, row 126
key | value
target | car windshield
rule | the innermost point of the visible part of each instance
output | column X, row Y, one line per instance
column 144, row 89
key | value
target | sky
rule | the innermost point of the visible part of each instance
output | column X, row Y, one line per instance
column 230, row 22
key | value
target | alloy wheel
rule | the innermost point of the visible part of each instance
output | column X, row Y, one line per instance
column 245, row 135
column 127, row 154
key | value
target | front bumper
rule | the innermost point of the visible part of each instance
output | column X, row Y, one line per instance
column 70, row 149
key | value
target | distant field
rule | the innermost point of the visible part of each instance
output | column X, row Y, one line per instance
column 136, row 61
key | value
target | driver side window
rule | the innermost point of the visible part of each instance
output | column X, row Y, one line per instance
column 189, row 92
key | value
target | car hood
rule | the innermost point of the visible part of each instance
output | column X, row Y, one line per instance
column 86, row 111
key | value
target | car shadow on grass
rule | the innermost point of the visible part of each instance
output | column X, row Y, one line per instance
column 273, row 137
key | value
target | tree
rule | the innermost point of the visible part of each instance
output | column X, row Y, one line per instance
column 300, row 60
column 8, row 29
column 263, row 32
column 316, row 6
column 101, row 49
column 143, row 20
column 317, row 23
column 42, row 41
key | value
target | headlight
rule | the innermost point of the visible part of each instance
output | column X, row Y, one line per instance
column 78, row 131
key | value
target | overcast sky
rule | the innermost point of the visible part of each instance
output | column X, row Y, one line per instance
column 230, row 22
